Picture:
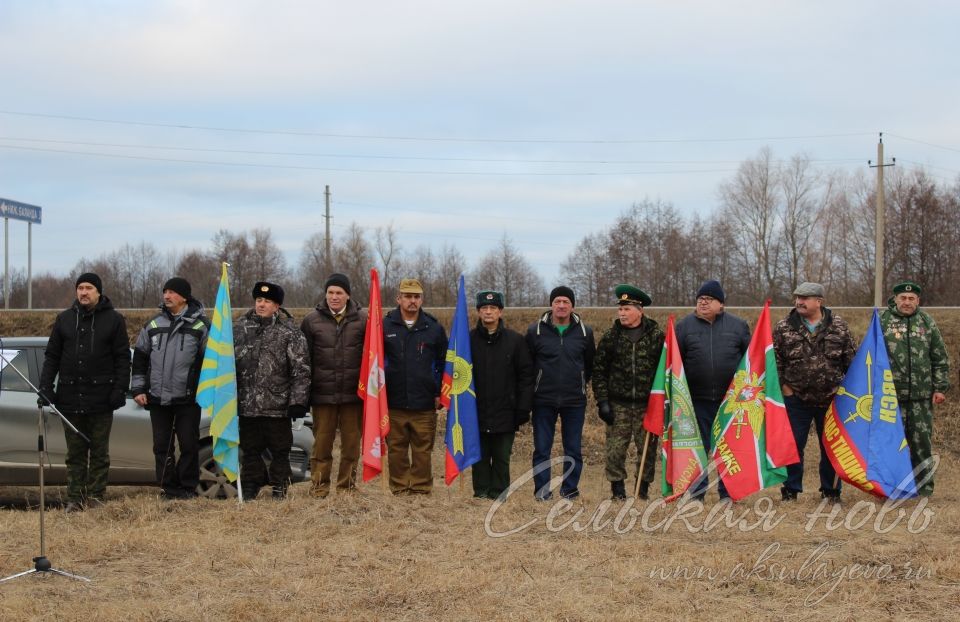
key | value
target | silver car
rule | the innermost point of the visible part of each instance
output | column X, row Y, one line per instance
column 131, row 437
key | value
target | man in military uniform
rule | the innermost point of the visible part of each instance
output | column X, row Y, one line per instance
column 273, row 387
column 626, row 362
column 921, row 372
column 814, row 349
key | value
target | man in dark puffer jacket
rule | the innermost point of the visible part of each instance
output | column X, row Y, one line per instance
column 503, row 376
column 89, row 352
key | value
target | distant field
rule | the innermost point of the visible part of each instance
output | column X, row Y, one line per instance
column 371, row 556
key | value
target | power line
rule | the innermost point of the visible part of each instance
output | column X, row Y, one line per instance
column 923, row 142
column 386, row 157
column 433, row 138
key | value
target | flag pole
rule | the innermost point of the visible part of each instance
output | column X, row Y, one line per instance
column 384, row 473
column 239, row 490
column 643, row 460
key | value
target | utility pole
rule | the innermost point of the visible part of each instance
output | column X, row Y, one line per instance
column 881, row 210
column 327, row 244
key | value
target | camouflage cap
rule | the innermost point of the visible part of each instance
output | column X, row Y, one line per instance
column 489, row 297
column 410, row 286
column 809, row 289
column 907, row 287
column 631, row 295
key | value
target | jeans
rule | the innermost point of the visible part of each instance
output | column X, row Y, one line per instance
column 571, row 436
column 801, row 415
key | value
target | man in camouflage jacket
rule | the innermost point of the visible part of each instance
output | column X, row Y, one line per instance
column 814, row 348
column 921, row 372
column 273, row 387
column 623, row 372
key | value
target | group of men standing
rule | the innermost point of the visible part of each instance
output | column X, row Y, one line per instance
column 542, row 377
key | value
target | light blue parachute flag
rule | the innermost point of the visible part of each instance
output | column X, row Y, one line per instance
column 218, row 384
column 863, row 430
column 459, row 395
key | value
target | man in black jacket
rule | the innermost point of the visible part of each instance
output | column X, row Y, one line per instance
column 503, row 377
column 712, row 343
column 562, row 348
column 414, row 351
column 89, row 352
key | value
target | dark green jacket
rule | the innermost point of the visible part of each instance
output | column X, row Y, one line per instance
column 623, row 370
column 918, row 356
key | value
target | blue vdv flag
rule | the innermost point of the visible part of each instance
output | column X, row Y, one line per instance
column 863, row 430
column 459, row 395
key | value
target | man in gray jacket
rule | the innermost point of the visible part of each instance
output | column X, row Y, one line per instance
column 273, row 386
column 712, row 342
column 166, row 368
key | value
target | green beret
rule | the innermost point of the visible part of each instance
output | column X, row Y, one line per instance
column 908, row 287
column 630, row 295
column 489, row 298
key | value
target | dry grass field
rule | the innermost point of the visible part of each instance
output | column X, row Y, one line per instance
column 368, row 555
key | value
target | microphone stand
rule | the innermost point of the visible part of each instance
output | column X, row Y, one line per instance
column 41, row 563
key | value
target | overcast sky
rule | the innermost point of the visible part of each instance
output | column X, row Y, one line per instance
column 457, row 121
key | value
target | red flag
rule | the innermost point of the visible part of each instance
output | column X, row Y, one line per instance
column 372, row 387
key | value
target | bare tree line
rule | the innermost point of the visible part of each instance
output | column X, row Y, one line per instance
column 778, row 223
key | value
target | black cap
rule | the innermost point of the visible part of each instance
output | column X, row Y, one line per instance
column 270, row 291
column 563, row 290
column 340, row 280
column 489, row 297
column 180, row 285
column 712, row 289
column 92, row 279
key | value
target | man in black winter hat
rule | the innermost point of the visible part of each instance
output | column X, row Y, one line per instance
column 89, row 351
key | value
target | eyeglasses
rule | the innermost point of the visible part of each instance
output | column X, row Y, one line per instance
column 705, row 299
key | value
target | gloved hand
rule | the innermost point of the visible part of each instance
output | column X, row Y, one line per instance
column 118, row 399
column 296, row 411
column 42, row 399
column 519, row 418
column 605, row 412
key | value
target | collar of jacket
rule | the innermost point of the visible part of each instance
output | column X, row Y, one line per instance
column 647, row 324
column 102, row 305
column 547, row 320
column 351, row 309
column 424, row 319
column 191, row 313
column 797, row 322
column 487, row 335
column 892, row 307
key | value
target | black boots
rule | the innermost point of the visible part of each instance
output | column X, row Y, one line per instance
column 619, row 492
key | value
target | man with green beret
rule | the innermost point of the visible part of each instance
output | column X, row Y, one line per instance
column 503, row 377
column 921, row 373
column 626, row 362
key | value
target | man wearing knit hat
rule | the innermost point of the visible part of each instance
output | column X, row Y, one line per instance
column 623, row 372
column 88, row 349
column 562, row 349
column 273, row 388
column 712, row 343
column 334, row 331
column 167, row 357
column 921, row 373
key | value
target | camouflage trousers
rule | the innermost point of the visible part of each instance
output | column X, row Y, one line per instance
column 918, row 428
column 627, row 425
column 88, row 465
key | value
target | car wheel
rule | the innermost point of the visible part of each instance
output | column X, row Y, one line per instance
column 213, row 483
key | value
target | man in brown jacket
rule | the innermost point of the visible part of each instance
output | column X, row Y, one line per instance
column 334, row 332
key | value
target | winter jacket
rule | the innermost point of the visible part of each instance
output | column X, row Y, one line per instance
column 813, row 364
column 273, row 367
column 918, row 356
column 563, row 363
column 711, row 353
column 623, row 370
column 90, row 353
column 168, row 354
column 413, row 360
column 503, row 378
column 336, row 352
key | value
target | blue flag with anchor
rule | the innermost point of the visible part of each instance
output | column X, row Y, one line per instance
column 863, row 430
column 459, row 395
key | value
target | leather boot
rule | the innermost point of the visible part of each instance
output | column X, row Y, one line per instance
column 618, row 490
